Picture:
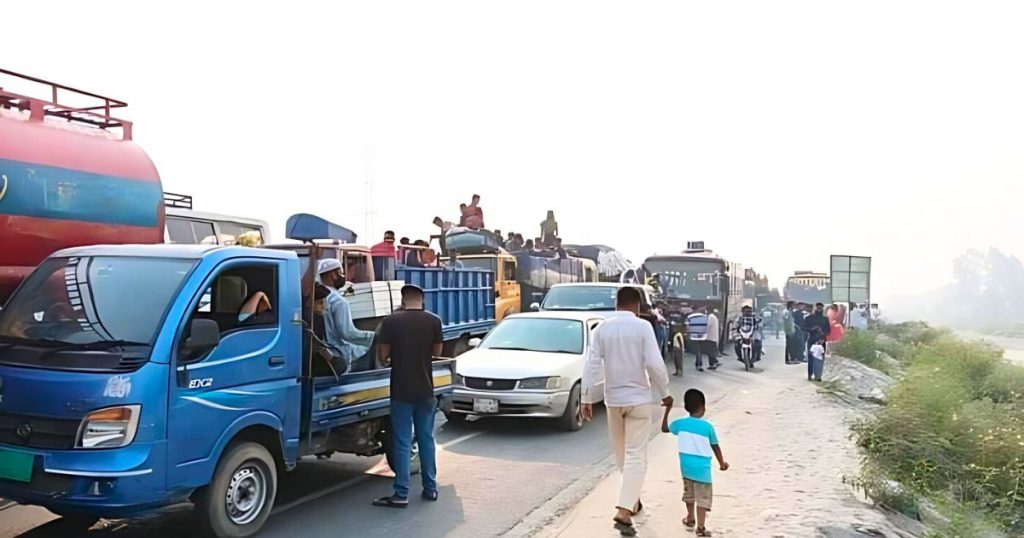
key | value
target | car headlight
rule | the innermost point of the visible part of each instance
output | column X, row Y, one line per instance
column 542, row 383
column 112, row 427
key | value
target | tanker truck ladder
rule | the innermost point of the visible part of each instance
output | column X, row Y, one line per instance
column 89, row 109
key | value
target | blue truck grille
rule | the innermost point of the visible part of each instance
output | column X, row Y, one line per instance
column 38, row 432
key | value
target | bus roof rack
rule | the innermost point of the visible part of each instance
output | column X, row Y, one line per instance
column 89, row 108
column 181, row 201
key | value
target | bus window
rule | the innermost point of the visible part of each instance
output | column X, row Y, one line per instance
column 232, row 232
column 188, row 232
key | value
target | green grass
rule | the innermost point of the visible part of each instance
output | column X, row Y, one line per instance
column 953, row 428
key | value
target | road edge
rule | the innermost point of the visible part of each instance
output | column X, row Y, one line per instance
column 537, row 521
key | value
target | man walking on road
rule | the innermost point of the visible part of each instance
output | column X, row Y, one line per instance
column 789, row 327
column 626, row 349
column 409, row 340
column 817, row 327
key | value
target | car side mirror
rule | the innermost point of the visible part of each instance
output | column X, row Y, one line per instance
column 204, row 335
column 474, row 343
column 535, row 307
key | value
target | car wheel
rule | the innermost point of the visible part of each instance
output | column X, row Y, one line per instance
column 572, row 417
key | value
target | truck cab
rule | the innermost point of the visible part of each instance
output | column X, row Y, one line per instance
column 137, row 377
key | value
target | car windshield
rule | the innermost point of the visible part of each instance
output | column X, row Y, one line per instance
column 87, row 302
column 537, row 334
column 687, row 279
column 580, row 298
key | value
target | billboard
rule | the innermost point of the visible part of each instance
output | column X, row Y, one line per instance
column 851, row 279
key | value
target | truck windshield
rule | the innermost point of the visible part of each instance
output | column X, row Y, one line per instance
column 488, row 264
column 91, row 301
column 687, row 279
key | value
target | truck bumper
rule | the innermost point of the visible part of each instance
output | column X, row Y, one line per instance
column 113, row 483
column 526, row 404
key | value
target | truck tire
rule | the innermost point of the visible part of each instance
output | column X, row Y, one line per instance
column 238, row 500
column 572, row 418
column 460, row 346
column 389, row 454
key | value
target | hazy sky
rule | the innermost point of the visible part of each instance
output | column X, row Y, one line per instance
column 777, row 132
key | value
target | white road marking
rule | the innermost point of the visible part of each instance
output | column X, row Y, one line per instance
column 377, row 470
column 458, row 440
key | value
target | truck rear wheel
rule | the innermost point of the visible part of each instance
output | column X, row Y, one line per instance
column 414, row 460
column 238, row 500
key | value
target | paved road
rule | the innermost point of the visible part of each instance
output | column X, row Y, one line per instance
column 492, row 473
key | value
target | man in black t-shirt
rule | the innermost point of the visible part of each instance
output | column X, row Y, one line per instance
column 409, row 339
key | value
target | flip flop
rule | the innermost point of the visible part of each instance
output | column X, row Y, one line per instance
column 625, row 528
column 702, row 532
column 391, row 502
column 690, row 523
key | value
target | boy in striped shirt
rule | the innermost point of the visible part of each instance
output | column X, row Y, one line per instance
column 697, row 442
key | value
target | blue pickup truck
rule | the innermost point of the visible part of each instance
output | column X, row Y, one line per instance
column 133, row 378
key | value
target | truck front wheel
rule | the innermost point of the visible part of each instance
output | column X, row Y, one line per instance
column 239, row 498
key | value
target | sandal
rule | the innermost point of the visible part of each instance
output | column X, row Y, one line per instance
column 701, row 531
column 392, row 501
column 690, row 523
column 624, row 527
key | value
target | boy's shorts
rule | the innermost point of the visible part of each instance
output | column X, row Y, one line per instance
column 698, row 493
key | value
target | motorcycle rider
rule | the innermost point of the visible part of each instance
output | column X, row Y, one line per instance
column 748, row 319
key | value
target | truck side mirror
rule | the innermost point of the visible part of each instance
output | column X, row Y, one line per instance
column 204, row 335
column 474, row 343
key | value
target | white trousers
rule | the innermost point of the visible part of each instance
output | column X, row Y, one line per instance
column 629, row 429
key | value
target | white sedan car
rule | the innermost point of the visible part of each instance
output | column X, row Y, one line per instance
column 530, row 365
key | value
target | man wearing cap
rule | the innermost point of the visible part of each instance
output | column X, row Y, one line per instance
column 385, row 247
column 351, row 344
column 409, row 340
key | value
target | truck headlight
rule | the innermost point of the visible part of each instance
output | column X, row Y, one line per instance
column 112, row 427
column 542, row 383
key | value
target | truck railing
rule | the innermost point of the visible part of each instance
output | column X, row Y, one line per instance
column 95, row 110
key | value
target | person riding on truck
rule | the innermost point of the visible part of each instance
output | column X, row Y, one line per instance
column 352, row 344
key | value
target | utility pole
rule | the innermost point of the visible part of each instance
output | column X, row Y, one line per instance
column 368, row 187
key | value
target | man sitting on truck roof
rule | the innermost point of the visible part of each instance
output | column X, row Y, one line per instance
column 352, row 344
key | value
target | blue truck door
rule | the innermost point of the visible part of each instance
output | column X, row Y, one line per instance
column 251, row 377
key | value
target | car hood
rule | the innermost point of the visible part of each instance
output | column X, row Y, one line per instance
column 510, row 364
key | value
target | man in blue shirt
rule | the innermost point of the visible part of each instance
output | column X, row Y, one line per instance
column 352, row 344
column 697, row 442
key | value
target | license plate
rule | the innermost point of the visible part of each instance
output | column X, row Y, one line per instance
column 485, row 405
column 16, row 466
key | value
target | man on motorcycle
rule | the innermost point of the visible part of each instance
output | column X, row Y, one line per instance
column 749, row 320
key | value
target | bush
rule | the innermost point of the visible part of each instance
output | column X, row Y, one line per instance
column 953, row 427
column 860, row 346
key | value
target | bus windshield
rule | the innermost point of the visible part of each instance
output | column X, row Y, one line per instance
column 688, row 279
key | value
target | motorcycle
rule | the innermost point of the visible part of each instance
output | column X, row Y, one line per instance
column 746, row 340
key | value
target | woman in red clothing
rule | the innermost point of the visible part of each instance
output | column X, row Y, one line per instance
column 836, row 319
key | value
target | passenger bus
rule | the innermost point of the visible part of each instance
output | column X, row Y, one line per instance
column 809, row 287
column 185, row 226
column 698, row 277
